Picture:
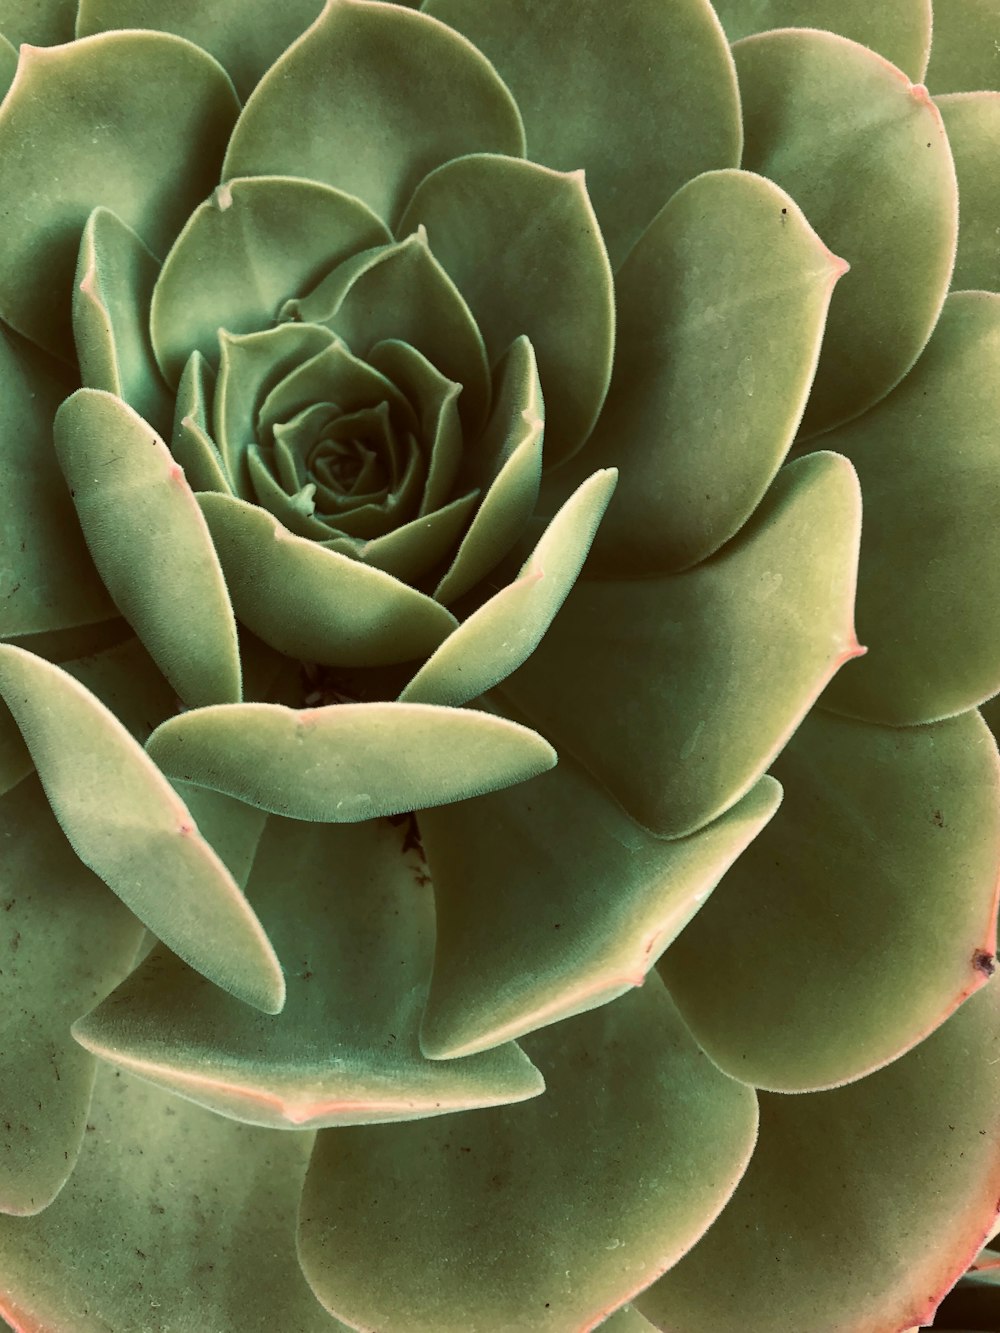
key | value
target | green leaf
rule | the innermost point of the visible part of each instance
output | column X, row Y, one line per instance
column 410, row 94
column 550, row 281
column 315, row 604
column 127, row 824
column 363, row 926
column 507, row 459
column 840, row 1229
column 245, row 46
column 41, row 22
column 508, row 627
column 8, row 65
column 900, row 30
column 191, row 443
column 414, row 549
column 243, row 253
column 864, row 153
column 115, row 275
column 869, row 904
column 136, row 122
column 721, row 309
column 393, row 1222
column 528, row 933
column 973, row 124
column 639, row 128
column 676, row 692
column 401, row 293
column 150, row 543
column 47, row 578
column 928, row 460
column 174, row 1218
column 964, row 55
column 64, row 942
column 347, row 762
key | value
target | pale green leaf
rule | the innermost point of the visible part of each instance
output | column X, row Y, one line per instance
column 642, row 95
column 529, row 929
column 135, row 122
column 587, row 1192
column 8, row 65
column 191, row 443
column 413, row 550
column 150, row 543
column 862, row 1205
column 973, row 124
column 508, row 627
column 965, row 50
column 127, row 824
column 677, row 692
column 317, row 604
column 243, row 253
column 864, row 154
column 409, row 95
column 869, row 904
column 41, row 22
column 343, row 763
column 550, row 281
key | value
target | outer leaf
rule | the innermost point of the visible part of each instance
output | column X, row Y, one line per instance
column 150, row 544
column 865, row 155
column 43, row 22
column 964, row 51
column 315, row 604
column 886, row 837
column 506, row 629
column 245, row 47
column 928, row 462
column 529, row 928
column 677, row 692
column 64, row 941
column 533, row 1200
column 709, row 383
column 410, row 94
column 173, row 1219
column 126, row 823
column 900, row 30
column 639, row 128
column 973, row 124
column 149, row 116
column 47, row 578
column 550, row 281
column 344, row 1049
column 242, row 253
column 856, row 1232
column 347, row 762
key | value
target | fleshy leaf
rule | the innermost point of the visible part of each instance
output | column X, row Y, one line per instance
column 127, row 824
column 47, row 578
column 174, row 1218
column 393, row 1223
column 506, row 629
column 864, row 154
column 347, row 762
column 677, row 692
column 344, row 1050
column 8, row 65
column 245, row 47
column 243, row 253
column 65, row 940
column 410, row 94
column 964, row 48
column 315, row 604
column 886, row 836
column 529, row 928
column 40, row 22
column 845, row 1230
column 639, row 128
column 709, row 382
column 148, row 117
column 973, row 124
column 550, row 281
column 900, row 30
column 115, row 275
column 150, row 543
column 191, row 443
column 414, row 549
column 928, row 461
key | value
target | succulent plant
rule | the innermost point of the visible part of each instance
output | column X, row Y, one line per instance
column 461, row 871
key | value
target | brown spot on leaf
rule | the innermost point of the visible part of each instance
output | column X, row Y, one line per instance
column 984, row 962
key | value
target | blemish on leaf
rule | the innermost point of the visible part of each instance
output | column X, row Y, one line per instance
column 938, row 818
column 984, row 962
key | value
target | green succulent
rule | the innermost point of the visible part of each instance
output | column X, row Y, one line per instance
column 460, row 871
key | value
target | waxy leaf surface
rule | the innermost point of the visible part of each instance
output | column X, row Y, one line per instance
column 973, row 124
column 964, row 51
